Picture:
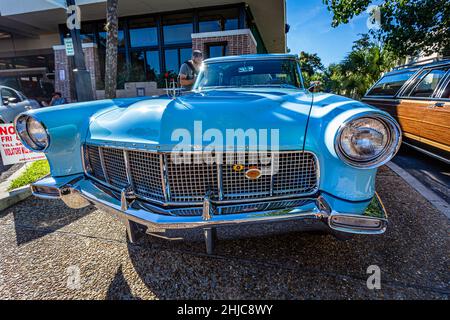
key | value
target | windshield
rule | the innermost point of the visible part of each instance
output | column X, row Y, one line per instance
column 249, row 73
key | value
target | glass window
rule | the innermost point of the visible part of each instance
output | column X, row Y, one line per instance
column 254, row 73
column 217, row 50
column 87, row 33
column 232, row 24
column 153, row 69
column 210, row 26
column 137, row 71
column 446, row 93
column 9, row 94
column 428, row 83
column 171, row 57
column 391, row 84
column 122, row 70
column 177, row 28
column 218, row 20
column 185, row 54
column 143, row 32
column 102, row 35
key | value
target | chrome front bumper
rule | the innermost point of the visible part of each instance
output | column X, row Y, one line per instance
column 77, row 192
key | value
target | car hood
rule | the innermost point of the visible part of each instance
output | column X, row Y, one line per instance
column 162, row 122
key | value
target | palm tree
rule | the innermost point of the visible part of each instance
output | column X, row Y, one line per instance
column 111, row 49
column 360, row 69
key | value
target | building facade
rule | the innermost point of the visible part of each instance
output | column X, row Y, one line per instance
column 155, row 38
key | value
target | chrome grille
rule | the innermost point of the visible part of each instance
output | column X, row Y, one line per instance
column 296, row 174
column 156, row 177
column 244, row 208
column 114, row 164
column 92, row 158
column 190, row 179
column 234, row 182
column 145, row 170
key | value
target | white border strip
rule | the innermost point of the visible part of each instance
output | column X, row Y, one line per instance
column 83, row 45
column 432, row 197
column 226, row 33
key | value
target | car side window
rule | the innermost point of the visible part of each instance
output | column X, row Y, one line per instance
column 390, row 84
column 428, row 83
column 7, row 94
column 446, row 93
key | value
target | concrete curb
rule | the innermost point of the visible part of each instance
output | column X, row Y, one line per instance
column 10, row 198
column 432, row 197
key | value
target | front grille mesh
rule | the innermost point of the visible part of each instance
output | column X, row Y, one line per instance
column 157, row 177
column 115, row 167
column 190, row 179
column 145, row 169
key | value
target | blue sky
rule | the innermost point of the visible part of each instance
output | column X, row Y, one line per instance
column 311, row 31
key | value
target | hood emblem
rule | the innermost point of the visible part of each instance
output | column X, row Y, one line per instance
column 253, row 173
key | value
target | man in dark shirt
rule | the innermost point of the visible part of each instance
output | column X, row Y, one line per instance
column 189, row 70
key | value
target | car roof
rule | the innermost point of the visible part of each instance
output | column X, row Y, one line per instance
column 419, row 65
column 252, row 57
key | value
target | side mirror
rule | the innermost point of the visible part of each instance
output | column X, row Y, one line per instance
column 9, row 100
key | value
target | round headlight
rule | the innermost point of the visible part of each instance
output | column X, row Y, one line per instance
column 33, row 134
column 368, row 142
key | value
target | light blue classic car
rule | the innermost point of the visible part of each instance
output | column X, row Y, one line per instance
column 249, row 144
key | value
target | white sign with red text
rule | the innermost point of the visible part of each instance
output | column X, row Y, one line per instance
column 12, row 150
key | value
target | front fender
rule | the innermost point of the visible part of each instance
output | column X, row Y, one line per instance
column 338, row 178
column 67, row 126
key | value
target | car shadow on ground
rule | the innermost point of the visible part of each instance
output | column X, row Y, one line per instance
column 242, row 267
column 302, row 265
column 48, row 216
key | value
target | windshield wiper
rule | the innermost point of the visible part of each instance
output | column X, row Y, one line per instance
column 281, row 85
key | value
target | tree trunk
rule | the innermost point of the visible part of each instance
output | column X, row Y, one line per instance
column 111, row 49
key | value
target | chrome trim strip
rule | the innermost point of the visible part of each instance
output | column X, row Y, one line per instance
column 162, row 168
column 220, row 180
column 128, row 168
column 428, row 153
column 272, row 178
column 83, row 157
column 159, row 149
column 102, row 163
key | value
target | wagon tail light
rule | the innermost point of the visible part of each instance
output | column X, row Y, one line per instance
column 32, row 133
column 368, row 141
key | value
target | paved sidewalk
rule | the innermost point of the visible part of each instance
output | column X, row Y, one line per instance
column 43, row 246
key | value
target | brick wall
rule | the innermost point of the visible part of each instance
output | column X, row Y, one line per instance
column 64, row 80
column 238, row 41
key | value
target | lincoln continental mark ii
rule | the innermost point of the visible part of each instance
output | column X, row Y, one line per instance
column 249, row 144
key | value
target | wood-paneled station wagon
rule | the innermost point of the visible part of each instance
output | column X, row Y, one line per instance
column 418, row 96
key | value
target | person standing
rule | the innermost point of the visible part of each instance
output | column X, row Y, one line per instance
column 57, row 99
column 189, row 70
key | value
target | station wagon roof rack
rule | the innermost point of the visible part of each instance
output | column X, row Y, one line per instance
column 422, row 63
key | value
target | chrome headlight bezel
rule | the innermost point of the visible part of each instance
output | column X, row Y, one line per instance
column 30, row 142
column 388, row 152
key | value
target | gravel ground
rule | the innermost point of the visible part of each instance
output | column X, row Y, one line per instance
column 43, row 245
